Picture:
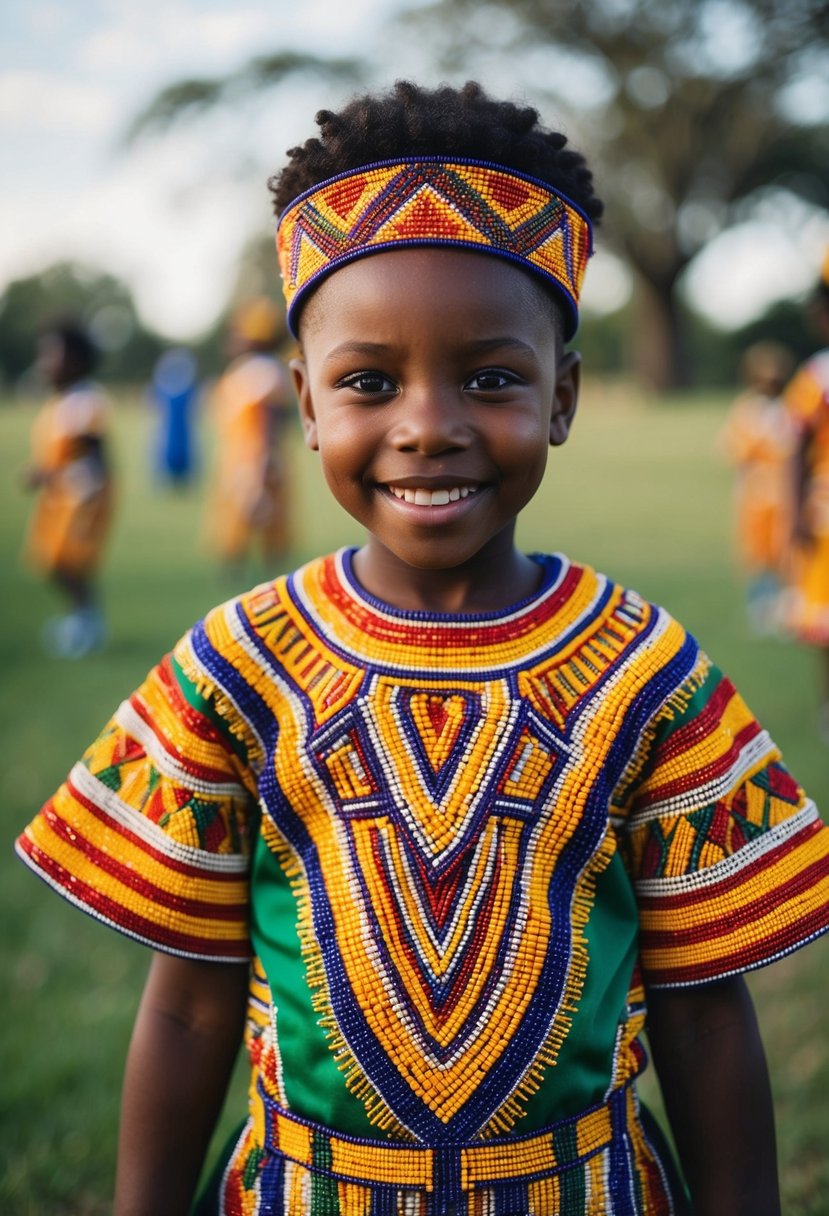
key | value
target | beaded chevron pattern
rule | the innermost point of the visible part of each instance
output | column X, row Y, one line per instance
column 430, row 808
column 427, row 201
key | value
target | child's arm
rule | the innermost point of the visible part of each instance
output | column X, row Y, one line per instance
column 708, row 1053
column 184, row 1044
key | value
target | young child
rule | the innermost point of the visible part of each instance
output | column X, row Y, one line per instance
column 807, row 402
column 71, row 473
column 758, row 439
column 252, row 403
column 451, row 822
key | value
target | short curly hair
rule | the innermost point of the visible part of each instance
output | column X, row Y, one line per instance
column 410, row 120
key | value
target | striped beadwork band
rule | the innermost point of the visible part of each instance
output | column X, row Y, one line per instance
column 421, row 1167
column 464, row 204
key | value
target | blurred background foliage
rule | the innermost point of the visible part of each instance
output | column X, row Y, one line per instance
column 129, row 347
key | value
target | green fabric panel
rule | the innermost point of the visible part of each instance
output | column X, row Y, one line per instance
column 314, row 1086
column 205, row 707
column 583, row 1069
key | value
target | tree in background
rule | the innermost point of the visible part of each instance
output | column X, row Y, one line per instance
column 100, row 300
column 692, row 112
column 189, row 98
column 689, row 109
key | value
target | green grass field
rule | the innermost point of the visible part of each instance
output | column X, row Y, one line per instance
column 637, row 491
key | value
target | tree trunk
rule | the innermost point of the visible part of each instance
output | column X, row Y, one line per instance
column 659, row 348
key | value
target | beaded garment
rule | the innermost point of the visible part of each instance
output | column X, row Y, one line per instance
column 454, row 847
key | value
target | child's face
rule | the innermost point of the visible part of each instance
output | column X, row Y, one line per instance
column 432, row 386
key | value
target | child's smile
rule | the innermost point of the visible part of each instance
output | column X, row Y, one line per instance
column 432, row 387
column 423, row 496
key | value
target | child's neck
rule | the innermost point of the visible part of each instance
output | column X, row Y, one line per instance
column 478, row 586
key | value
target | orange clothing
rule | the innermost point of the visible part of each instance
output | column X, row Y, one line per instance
column 807, row 401
column 759, row 440
column 252, row 403
column 73, row 511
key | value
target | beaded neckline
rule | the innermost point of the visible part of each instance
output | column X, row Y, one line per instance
column 550, row 565
column 364, row 629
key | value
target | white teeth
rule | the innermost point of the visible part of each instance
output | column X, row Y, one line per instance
column 432, row 498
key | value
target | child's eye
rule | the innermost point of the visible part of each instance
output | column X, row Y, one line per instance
column 490, row 380
column 368, row 383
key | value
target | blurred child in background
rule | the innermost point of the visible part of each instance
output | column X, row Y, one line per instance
column 807, row 403
column 174, row 392
column 72, row 476
column 758, row 440
column 253, row 401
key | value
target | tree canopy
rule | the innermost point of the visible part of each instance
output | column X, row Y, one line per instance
column 687, row 107
column 99, row 300
column 186, row 98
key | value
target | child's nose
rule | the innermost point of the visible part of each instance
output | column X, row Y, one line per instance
column 432, row 420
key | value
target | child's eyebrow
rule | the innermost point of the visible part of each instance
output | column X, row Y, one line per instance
column 362, row 348
column 477, row 346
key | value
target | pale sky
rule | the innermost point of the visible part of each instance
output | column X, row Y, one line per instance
column 170, row 216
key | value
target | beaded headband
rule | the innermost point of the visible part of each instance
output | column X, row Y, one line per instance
column 464, row 204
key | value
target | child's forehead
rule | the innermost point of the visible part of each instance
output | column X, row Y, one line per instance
column 458, row 289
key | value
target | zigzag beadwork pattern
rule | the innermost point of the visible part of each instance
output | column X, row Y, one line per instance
column 465, row 204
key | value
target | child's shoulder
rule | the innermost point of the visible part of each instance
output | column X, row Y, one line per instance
column 263, row 610
column 598, row 596
column 83, row 404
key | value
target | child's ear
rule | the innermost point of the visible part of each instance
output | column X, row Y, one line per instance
column 568, row 378
column 306, row 406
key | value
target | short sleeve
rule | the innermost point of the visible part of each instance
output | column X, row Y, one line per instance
column 152, row 830
column 729, row 859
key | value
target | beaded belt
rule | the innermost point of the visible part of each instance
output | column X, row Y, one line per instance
column 454, row 1167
